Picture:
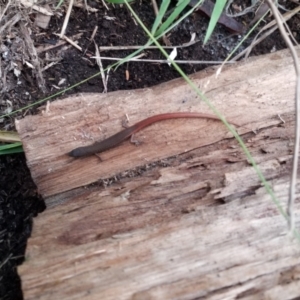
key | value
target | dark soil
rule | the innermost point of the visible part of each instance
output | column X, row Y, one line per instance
column 19, row 203
column 19, row 199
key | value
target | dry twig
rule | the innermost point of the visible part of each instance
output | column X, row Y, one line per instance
column 116, row 48
column 165, row 61
column 99, row 63
column 44, row 48
column 272, row 26
column 69, row 41
column 66, row 21
column 34, row 56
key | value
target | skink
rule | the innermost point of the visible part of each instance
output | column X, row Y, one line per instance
column 124, row 134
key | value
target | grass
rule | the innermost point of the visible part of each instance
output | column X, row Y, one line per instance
column 12, row 148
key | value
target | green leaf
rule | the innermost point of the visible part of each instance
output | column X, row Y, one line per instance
column 161, row 13
column 218, row 8
column 177, row 11
column 59, row 4
column 11, row 148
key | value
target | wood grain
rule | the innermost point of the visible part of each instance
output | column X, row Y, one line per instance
column 202, row 227
column 82, row 119
column 186, row 216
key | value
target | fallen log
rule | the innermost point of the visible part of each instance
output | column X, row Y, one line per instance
column 181, row 216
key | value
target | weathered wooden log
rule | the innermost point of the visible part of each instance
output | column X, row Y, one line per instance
column 181, row 216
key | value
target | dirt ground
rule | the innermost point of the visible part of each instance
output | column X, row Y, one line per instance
column 19, row 199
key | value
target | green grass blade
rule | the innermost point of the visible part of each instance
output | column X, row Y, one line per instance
column 218, row 8
column 11, row 148
column 59, row 4
column 161, row 13
column 150, row 42
column 177, row 11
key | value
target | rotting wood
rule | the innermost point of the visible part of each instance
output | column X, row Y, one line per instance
column 242, row 93
column 199, row 225
column 168, row 235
